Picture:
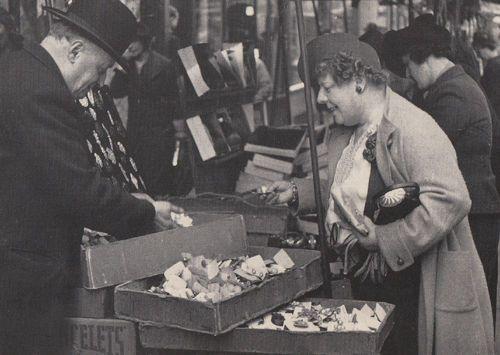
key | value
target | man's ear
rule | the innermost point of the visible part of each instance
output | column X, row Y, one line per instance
column 75, row 49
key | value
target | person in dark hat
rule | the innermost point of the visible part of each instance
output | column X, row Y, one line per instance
column 485, row 48
column 241, row 27
column 49, row 189
column 152, row 96
column 381, row 139
column 386, row 48
column 9, row 39
column 461, row 109
column 488, row 52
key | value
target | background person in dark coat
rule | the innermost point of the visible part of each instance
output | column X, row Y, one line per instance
column 152, row 93
column 48, row 188
column 487, row 51
column 460, row 107
column 9, row 39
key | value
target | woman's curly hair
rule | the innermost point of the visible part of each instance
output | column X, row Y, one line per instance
column 343, row 68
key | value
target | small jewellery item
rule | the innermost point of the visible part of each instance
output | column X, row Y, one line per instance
column 92, row 113
column 84, row 102
column 295, row 192
column 111, row 155
column 300, row 323
column 98, row 160
column 91, row 97
column 277, row 319
column 132, row 162
column 96, row 136
column 121, row 147
column 111, row 118
column 134, row 181
column 98, row 98
column 89, row 145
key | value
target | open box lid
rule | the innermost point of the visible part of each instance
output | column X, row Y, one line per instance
column 136, row 258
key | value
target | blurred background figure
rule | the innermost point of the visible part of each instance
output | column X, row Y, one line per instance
column 173, row 42
column 485, row 48
column 388, row 49
column 9, row 39
column 151, row 90
column 241, row 28
column 460, row 107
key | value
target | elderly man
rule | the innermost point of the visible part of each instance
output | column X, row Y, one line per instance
column 48, row 189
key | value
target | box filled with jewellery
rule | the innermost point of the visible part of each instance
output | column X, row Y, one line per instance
column 218, row 282
column 312, row 326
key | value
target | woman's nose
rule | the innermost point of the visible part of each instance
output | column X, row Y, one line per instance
column 321, row 97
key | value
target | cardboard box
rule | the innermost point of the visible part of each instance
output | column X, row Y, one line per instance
column 134, row 302
column 284, row 142
column 259, row 217
column 100, row 336
column 83, row 303
column 136, row 258
column 247, row 340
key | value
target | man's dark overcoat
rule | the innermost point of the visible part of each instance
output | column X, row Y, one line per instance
column 49, row 190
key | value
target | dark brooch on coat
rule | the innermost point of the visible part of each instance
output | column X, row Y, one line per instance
column 369, row 151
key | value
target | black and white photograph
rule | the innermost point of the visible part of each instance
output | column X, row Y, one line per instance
column 312, row 177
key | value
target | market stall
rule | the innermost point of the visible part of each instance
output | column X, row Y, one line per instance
column 210, row 285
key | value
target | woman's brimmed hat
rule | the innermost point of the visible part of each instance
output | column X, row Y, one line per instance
column 109, row 24
column 328, row 45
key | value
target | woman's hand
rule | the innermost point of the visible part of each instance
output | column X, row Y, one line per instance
column 370, row 241
column 279, row 192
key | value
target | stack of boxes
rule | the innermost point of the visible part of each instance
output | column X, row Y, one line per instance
column 279, row 154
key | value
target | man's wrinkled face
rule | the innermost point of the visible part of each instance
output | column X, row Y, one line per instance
column 88, row 66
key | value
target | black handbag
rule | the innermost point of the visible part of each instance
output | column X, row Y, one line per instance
column 395, row 202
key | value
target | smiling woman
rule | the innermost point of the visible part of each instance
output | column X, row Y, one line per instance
column 341, row 76
column 379, row 140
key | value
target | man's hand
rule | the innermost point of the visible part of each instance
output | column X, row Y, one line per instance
column 370, row 241
column 163, row 209
column 279, row 192
column 163, row 219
